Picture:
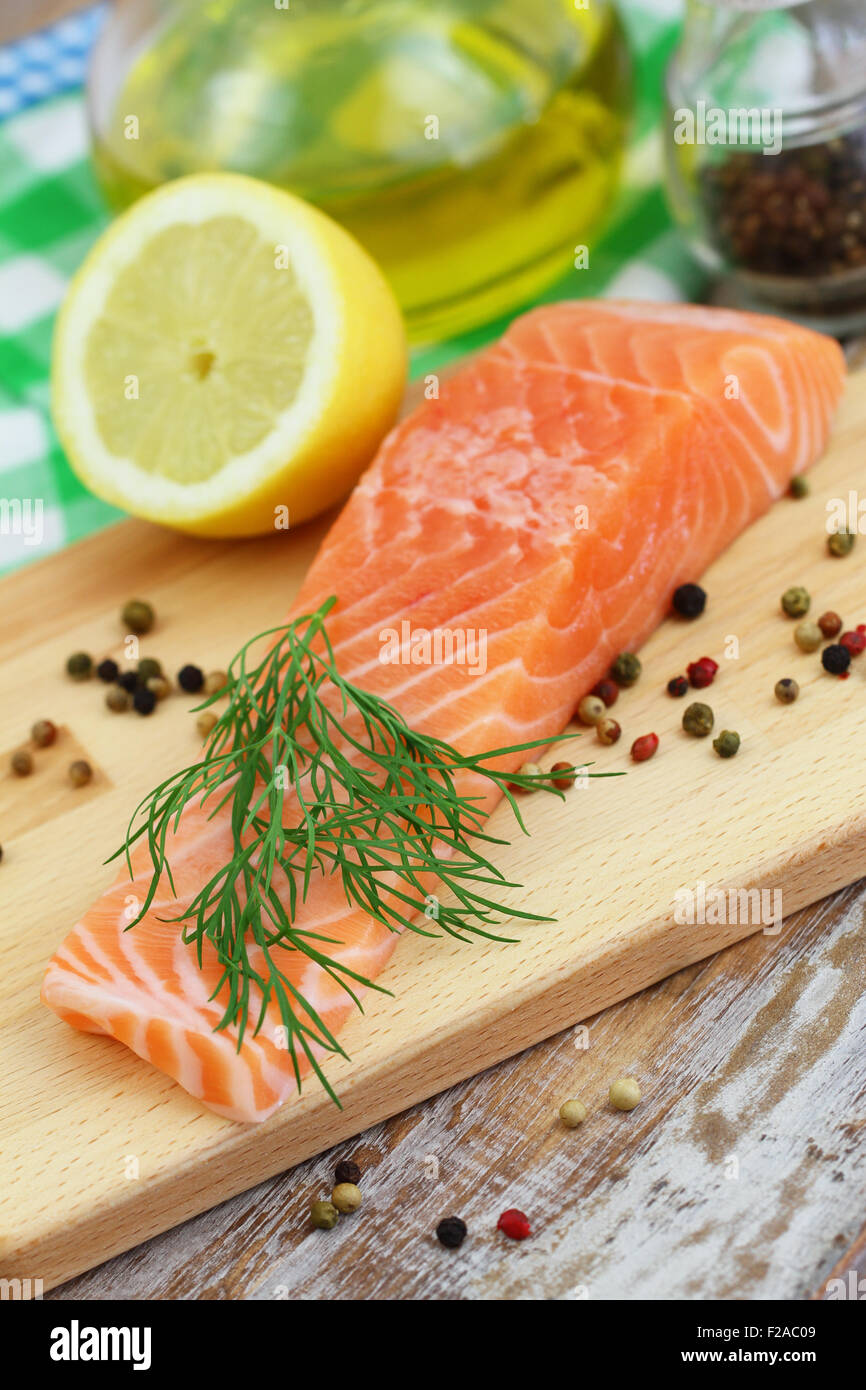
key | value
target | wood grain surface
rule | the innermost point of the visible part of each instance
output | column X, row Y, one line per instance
column 786, row 814
column 741, row 1174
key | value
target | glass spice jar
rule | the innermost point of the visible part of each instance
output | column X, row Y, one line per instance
column 766, row 153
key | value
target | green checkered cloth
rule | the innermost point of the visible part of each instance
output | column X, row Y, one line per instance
column 51, row 212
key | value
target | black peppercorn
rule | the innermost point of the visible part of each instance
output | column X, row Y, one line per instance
column 144, row 700
column 451, row 1232
column 347, row 1171
column 678, row 686
column 107, row 670
column 689, row 600
column 835, row 659
column 128, row 680
column 190, row 678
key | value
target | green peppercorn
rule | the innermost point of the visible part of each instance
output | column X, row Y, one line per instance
column 698, row 720
column 79, row 666
column 798, row 487
column 22, row 762
column 786, row 690
column 159, row 686
column 795, row 601
column 137, row 616
column 626, row 669
column 80, row 773
column 572, row 1113
column 591, row 709
column 727, row 744
column 215, row 681
column 117, row 699
column 205, row 723
column 324, row 1215
column 624, row 1094
column 346, row 1197
column 841, row 542
column 43, row 733
column 148, row 667
column 808, row 636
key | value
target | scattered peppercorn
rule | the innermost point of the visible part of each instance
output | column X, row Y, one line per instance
column 836, row 659
column 205, row 722
column 626, row 669
column 624, row 1094
column 324, row 1215
column 143, row 700
column 451, row 1232
column 702, row 673
column 566, row 779
column 43, row 733
column 786, row 690
column 347, row 1171
column 698, row 719
column 137, row 616
column 608, row 691
column 808, row 636
column 107, row 670
column 841, row 543
column 591, row 709
column 796, row 601
column 528, row 770
column 572, row 1113
column 854, row 642
column 80, row 773
column 644, row 747
column 215, row 681
column 798, row 487
column 689, row 600
column 607, row 731
column 127, row 680
column 514, row 1224
column 1, row 853
column 830, row 624
column 678, row 686
column 190, row 678
column 727, row 745
column 79, row 666
column 160, row 686
column 346, row 1197
column 117, row 699
column 147, row 668
column 22, row 762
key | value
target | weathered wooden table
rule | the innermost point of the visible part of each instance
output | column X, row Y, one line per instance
column 741, row 1174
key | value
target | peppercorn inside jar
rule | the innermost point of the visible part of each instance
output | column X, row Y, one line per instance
column 767, row 153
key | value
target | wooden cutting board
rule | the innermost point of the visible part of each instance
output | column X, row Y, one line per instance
column 100, row 1151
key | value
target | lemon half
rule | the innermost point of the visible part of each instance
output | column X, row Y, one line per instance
column 226, row 352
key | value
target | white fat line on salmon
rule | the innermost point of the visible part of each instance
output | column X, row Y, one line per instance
column 77, row 1343
column 438, row 646
column 699, row 906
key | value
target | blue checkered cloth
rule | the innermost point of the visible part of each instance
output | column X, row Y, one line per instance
column 48, row 63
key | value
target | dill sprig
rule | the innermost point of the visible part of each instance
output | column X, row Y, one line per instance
column 320, row 778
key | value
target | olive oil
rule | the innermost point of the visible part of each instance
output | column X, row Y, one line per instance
column 470, row 145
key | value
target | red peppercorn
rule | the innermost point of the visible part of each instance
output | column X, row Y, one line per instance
column 566, row 781
column 644, row 747
column 861, row 627
column 702, row 673
column 608, row 691
column 830, row 624
column 854, row 641
column 514, row 1224
column 678, row 686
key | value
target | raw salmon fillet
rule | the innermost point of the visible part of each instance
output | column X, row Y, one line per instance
column 673, row 427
